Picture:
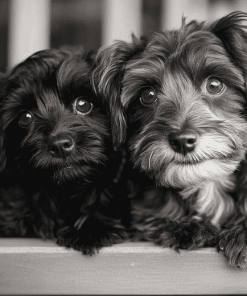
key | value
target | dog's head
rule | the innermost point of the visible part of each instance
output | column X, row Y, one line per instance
column 52, row 124
column 183, row 94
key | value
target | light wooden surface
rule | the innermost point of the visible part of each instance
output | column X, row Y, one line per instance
column 32, row 266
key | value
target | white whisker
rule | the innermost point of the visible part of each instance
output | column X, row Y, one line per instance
column 149, row 163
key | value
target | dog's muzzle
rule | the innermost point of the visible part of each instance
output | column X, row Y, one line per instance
column 61, row 146
column 183, row 142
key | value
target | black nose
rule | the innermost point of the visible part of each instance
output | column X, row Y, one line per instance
column 61, row 146
column 183, row 142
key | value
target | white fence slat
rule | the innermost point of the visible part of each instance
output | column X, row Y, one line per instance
column 29, row 28
column 173, row 10
column 120, row 19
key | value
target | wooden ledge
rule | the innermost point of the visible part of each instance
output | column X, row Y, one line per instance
column 33, row 266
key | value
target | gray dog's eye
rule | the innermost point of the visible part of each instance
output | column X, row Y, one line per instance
column 148, row 96
column 82, row 106
column 25, row 119
column 215, row 86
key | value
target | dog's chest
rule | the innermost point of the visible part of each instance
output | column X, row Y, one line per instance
column 212, row 200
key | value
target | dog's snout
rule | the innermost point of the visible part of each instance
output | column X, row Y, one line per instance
column 183, row 142
column 61, row 146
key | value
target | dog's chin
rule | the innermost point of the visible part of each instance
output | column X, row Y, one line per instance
column 81, row 175
column 64, row 174
column 183, row 175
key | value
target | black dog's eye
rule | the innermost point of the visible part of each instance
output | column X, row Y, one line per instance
column 82, row 106
column 25, row 119
column 215, row 86
column 148, row 97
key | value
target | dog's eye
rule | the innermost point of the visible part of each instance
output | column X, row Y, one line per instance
column 148, row 97
column 82, row 106
column 25, row 119
column 215, row 86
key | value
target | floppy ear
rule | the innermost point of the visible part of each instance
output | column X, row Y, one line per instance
column 231, row 31
column 107, row 82
column 3, row 83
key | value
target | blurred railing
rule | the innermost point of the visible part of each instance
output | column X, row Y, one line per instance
column 29, row 27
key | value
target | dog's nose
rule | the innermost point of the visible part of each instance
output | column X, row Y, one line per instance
column 61, row 146
column 183, row 142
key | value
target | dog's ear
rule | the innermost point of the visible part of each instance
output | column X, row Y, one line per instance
column 3, row 84
column 107, row 77
column 231, row 31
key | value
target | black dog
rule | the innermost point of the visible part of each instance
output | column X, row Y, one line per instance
column 179, row 97
column 59, row 175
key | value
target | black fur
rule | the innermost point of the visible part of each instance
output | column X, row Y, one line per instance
column 60, row 177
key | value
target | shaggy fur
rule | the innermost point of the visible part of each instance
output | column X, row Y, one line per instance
column 59, row 175
column 178, row 100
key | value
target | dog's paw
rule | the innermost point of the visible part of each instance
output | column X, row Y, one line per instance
column 195, row 234
column 183, row 235
column 90, row 237
column 233, row 243
column 161, row 232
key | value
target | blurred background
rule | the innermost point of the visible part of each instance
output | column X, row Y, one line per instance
column 27, row 26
